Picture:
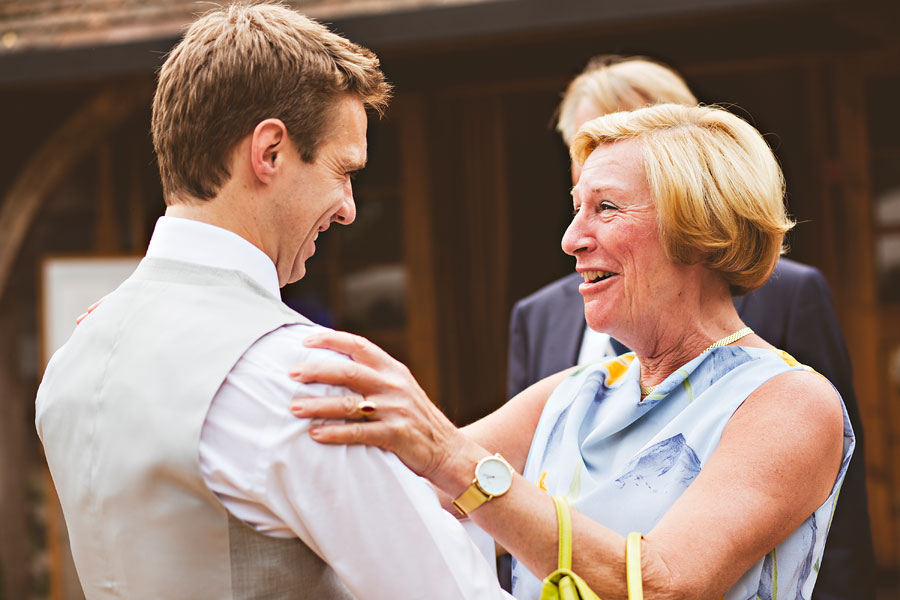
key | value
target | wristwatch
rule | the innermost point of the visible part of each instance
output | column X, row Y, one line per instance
column 493, row 477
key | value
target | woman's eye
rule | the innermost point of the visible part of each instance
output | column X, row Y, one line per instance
column 608, row 206
column 575, row 210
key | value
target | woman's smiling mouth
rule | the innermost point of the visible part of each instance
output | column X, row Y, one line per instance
column 596, row 276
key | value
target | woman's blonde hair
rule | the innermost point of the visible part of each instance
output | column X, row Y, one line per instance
column 612, row 83
column 718, row 189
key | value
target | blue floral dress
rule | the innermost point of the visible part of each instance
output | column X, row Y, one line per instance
column 623, row 462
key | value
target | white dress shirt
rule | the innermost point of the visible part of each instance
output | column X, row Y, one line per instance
column 594, row 346
column 377, row 524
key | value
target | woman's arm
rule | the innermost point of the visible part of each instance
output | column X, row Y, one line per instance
column 775, row 464
column 509, row 429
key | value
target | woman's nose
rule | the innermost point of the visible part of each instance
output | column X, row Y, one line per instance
column 577, row 238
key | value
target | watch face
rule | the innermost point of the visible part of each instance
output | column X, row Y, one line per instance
column 494, row 476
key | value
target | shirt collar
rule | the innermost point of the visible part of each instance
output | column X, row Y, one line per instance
column 204, row 244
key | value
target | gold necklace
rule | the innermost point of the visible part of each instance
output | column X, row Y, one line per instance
column 728, row 339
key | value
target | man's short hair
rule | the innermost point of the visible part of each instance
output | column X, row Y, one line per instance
column 240, row 65
column 612, row 83
column 718, row 189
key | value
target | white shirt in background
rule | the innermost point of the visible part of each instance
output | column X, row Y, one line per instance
column 594, row 346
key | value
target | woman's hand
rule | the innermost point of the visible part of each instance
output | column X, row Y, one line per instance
column 90, row 309
column 404, row 419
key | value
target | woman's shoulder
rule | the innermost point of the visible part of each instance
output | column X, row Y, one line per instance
column 760, row 359
column 800, row 411
column 799, row 390
column 798, row 401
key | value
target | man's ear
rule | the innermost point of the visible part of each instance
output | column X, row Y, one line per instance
column 267, row 147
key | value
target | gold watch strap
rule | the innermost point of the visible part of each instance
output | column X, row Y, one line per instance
column 470, row 499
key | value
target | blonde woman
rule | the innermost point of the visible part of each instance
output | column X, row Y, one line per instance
column 793, row 311
column 721, row 449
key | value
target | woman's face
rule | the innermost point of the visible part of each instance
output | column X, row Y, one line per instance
column 614, row 236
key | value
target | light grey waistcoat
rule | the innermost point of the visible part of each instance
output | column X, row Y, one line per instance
column 119, row 412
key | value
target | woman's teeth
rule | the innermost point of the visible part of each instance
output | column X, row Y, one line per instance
column 595, row 276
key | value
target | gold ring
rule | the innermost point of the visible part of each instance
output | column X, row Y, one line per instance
column 366, row 408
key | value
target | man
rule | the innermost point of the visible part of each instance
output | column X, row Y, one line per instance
column 793, row 311
column 180, row 469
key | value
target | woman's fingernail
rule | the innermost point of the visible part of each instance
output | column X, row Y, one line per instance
column 298, row 408
column 311, row 340
column 315, row 432
column 295, row 372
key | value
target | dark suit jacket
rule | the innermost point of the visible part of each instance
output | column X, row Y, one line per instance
column 792, row 311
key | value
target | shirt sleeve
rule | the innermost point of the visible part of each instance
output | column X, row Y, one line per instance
column 377, row 524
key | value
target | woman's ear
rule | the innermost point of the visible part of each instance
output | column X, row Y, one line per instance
column 267, row 147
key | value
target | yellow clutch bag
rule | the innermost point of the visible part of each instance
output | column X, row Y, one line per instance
column 565, row 584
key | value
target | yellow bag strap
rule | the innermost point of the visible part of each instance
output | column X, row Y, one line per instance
column 632, row 549
column 565, row 532
column 633, row 566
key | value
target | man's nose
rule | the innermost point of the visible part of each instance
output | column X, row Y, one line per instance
column 346, row 214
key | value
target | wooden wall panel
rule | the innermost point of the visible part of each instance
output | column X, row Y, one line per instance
column 52, row 162
column 418, row 245
column 858, row 297
column 14, row 463
column 469, row 199
column 889, row 367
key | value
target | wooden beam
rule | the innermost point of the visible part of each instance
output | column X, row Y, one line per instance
column 859, row 298
column 486, row 237
column 821, row 158
column 13, row 462
column 493, row 18
column 418, row 247
column 106, row 231
column 138, row 230
column 50, row 164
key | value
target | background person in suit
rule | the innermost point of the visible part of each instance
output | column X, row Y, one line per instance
column 792, row 311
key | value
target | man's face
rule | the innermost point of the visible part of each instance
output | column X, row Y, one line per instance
column 585, row 111
column 311, row 196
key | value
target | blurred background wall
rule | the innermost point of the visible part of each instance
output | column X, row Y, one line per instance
column 466, row 197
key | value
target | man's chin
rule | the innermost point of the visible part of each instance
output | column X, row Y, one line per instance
column 298, row 273
column 296, row 276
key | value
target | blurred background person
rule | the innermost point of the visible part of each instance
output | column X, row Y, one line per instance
column 792, row 311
